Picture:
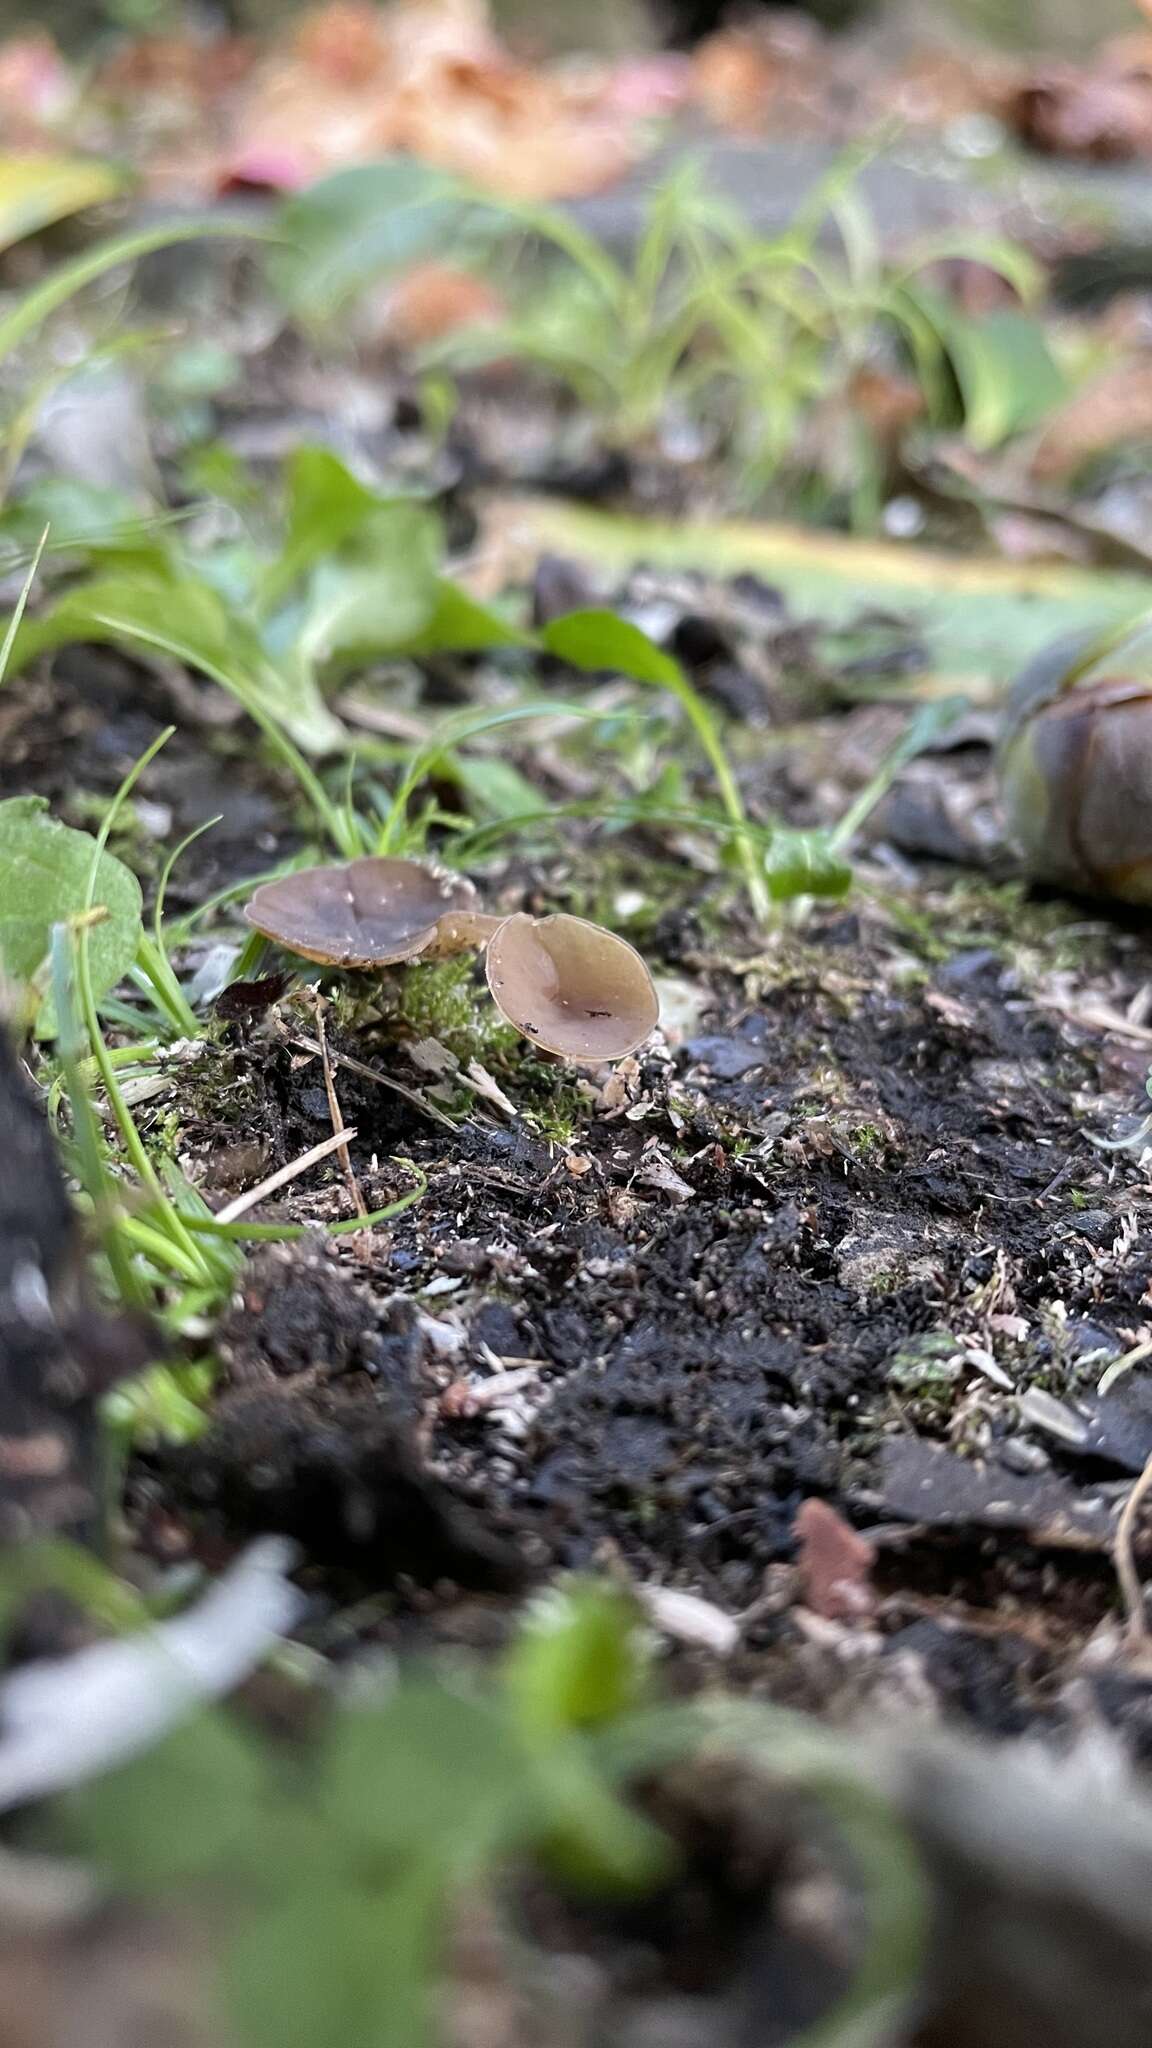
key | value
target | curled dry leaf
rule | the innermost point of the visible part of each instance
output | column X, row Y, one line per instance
column 363, row 913
column 431, row 79
column 1101, row 111
column 1076, row 774
column 572, row 987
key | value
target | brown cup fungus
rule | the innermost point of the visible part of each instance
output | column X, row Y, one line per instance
column 364, row 913
column 570, row 987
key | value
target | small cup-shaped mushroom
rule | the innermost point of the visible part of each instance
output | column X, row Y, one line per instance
column 571, row 987
column 360, row 913
column 1076, row 775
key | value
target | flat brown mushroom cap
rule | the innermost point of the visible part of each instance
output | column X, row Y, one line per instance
column 362, row 913
column 572, row 987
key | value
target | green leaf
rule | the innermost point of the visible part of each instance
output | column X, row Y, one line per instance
column 339, row 1966
column 379, row 594
column 76, row 514
column 587, row 1836
column 326, row 506
column 460, row 624
column 183, row 617
column 494, row 788
column 428, row 1772
column 35, row 191
column 805, row 864
column 580, row 1662
column 599, row 640
column 365, row 223
column 184, row 1809
column 45, row 866
column 1008, row 377
column 164, row 1405
column 580, row 1657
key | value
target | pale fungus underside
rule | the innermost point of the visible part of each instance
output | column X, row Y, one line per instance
column 569, row 986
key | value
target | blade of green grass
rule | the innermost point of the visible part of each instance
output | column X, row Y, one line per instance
column 62, row 284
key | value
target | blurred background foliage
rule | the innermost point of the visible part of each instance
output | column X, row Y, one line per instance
column 606, row 25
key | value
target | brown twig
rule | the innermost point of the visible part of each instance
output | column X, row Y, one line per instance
column 334, row 1109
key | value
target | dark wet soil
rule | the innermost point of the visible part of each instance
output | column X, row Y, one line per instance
column 828, row 1237
column 892, row 1164
column 820, row 1242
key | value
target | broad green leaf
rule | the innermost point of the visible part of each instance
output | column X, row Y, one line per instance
column 978, row 618
column 1018, row 266
column 45, row 866
column 368, row 222
column 581, row 1662
column 35, row 191
column 184, row 1809
column 1008, row 376
column 428, row 1772
column 183, row 617
column 460, row 624
column 339, row 1965
column 83, row 515
column 581, row 1656
column 326, row 506
column 805, row 864
column 586, row 1835
column 495, row 788
column 601, row 640
column 379, row 593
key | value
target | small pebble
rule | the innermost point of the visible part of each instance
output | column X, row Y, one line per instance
column 1020, row 1455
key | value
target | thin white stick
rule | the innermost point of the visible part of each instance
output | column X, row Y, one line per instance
column 232, row 1211
column 1120, row 1366
column 1125, row 1562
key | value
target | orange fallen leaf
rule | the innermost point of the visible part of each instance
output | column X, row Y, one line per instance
column 735, row 80
column 935, row 87
column 434, row 300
